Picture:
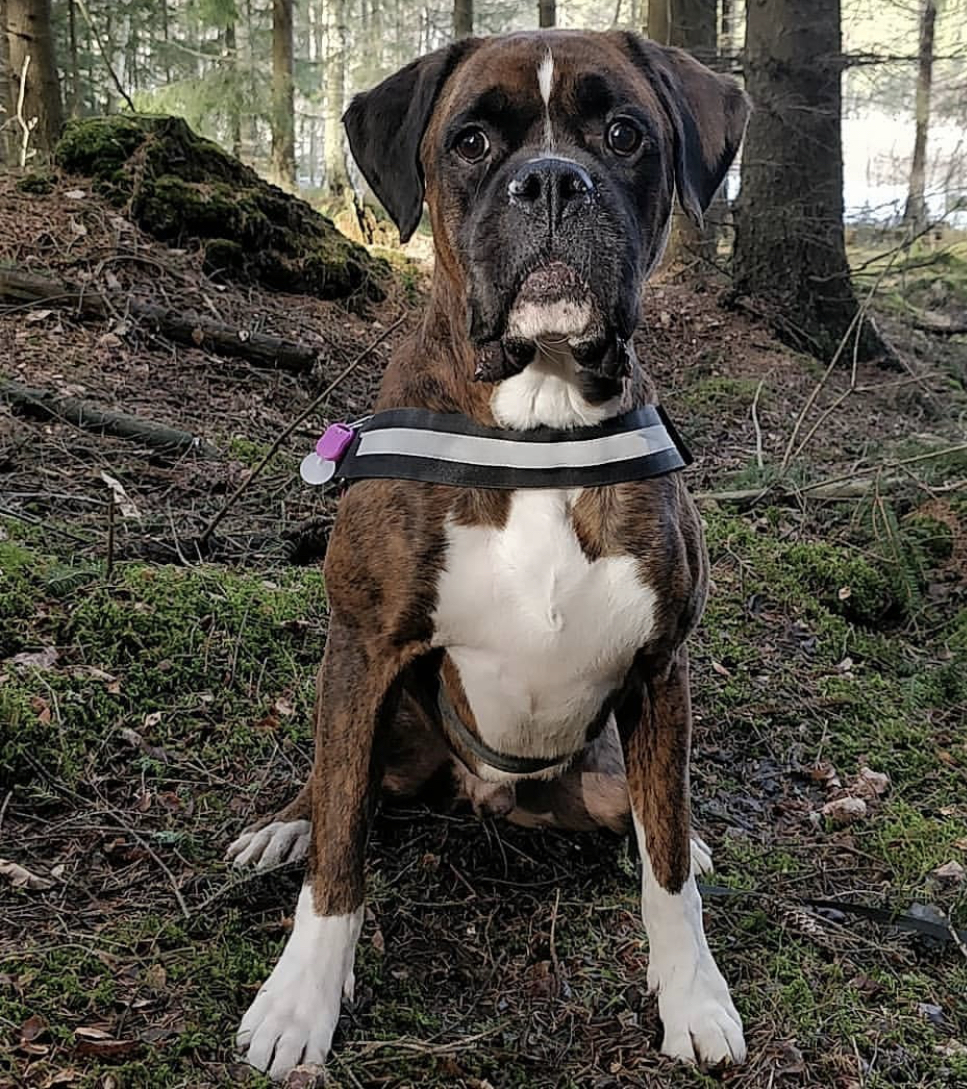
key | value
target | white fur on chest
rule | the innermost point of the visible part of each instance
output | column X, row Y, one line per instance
column 539, row 634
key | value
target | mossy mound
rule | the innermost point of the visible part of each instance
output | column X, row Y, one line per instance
column 186, row 190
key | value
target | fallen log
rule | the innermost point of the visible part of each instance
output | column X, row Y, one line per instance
column 940, row 327
column 196, row 330
column 49, row 404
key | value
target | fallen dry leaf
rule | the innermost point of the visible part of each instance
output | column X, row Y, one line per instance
column 844, row 810
column 92, row 1032
column 22, row 878
column 42, row 709
column 720, row 669
column 152, row 719
column 825, row 773
column 37, row 315
column 36, row 659
column 283, row 706
column 869, row 783
column 32, row 1028
column 951, row 871
column 67, row 1076
column 121, row 498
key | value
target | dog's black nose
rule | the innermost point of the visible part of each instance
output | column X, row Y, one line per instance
column 551, row 188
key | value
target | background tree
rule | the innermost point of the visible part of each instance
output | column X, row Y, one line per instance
column 547, row 13
column 462, row 18
column 790, row 251
column 691, row 25
column 337, row 179
column 659, row 22
column 6, row 92
column 915, row 213
column 283, row 108
column 29, row 35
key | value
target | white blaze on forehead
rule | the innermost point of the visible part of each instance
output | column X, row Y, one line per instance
column 545, row 81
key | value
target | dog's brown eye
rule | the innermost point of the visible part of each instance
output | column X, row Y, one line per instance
column 472, row 145
column 624, row 138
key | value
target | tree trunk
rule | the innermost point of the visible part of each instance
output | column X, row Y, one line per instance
column 28, row 24
column 283, row 104
column 727, row 34
column 74, row 103
column 7, row 96
column 660, row 21
column 463, row 18
column 547, row 13
column 337, row 179
column 790, row 253
column 165, row 38
column 230, row 53
column 691, row 25
column 915, row 214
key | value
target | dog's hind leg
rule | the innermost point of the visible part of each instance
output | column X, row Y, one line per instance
column 699, row 1018
column 592, row 793
column 281, row 837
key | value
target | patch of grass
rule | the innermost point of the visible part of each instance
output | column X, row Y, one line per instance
column 194, row 659
column 718, row 394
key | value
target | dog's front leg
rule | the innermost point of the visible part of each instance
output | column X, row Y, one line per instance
column 699, row 1018
column 294, row 1015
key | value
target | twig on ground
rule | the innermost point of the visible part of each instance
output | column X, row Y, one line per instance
column 854, row 328
column 755, row 424
column 283, row 435
column 943, row 328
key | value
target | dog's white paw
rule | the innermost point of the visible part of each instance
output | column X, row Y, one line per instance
column 294, row 1015
column 278, row 842
column 700, row 1020
column 701, row 856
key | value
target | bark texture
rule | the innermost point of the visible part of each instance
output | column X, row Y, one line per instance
column 915, row 213
column 337, row 179
column 462, row 18
column 283, row 106
column 29, row 35
column 790, row 252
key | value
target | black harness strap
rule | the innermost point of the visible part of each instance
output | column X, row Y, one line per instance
column 441, row 448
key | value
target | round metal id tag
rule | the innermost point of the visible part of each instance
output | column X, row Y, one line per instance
column 317, row 470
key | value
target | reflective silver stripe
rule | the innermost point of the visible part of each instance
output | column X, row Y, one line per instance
column 508, row 454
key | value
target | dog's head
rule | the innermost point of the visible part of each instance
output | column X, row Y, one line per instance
column 549, row 162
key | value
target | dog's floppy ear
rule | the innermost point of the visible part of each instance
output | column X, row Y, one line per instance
column 708, row 113
column 386, row 125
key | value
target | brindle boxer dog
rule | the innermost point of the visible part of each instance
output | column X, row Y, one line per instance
column 549, row 162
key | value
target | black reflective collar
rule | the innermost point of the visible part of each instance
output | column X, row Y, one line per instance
column 415, row 444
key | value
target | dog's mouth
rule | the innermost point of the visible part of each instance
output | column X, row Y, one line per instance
column 553, row 313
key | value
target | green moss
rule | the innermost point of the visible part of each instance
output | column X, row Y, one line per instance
column 845, row 583
column 37, row 184
column 185, row 190
column 204, row 650
column 717, row 394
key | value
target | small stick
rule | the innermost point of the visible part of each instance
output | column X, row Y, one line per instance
column 755, row 424
column 274, row 448
column 25, row 125
column 111, row 519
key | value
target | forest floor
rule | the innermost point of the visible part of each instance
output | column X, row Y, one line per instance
column 155, row 693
